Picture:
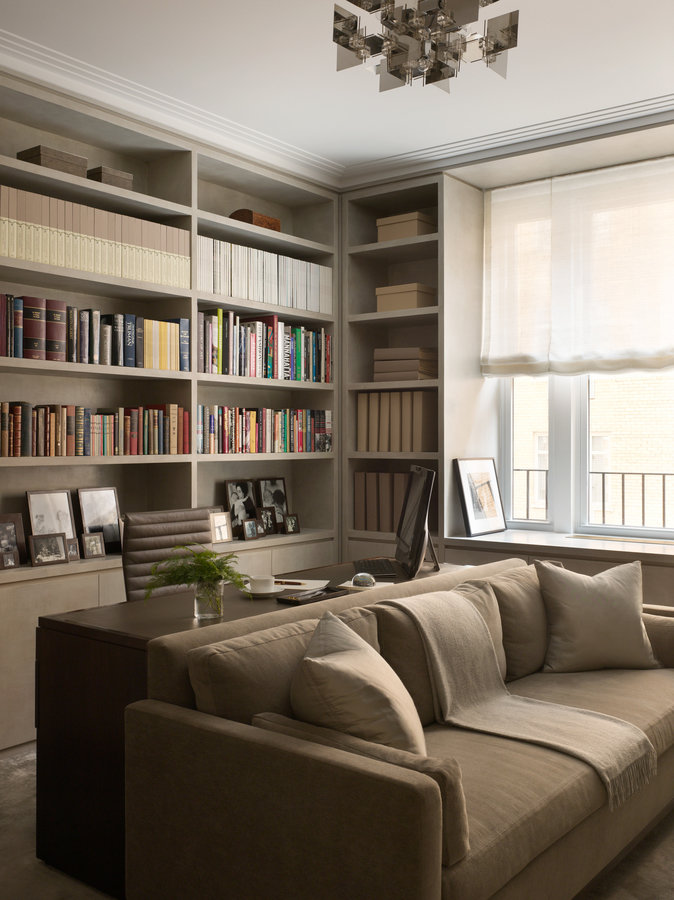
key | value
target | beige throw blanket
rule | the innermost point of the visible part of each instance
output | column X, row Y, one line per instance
column 469, row 692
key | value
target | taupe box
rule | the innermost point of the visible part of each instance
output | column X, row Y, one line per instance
column 106, row 175
column 406, row 225
column 55, row 159
column 405, row 296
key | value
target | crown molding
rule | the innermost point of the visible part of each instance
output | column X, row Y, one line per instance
column 19, row 56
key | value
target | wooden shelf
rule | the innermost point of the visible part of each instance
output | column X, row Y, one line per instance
column 251, row 308
column 423, row 384
column 264, row 383
column 225, row 229
column 262, row 457
column 424, row 246
column 86, row 370
column 401, row 317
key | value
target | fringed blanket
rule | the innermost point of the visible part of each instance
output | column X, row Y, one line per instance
column 469, row 693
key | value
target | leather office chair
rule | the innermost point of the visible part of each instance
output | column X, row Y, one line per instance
column 149, row 538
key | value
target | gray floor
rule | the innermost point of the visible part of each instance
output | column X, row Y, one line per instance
column 646, row 874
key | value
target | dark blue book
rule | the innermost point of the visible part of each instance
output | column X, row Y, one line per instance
column 87, row 432
column 140, row 342
column 183, row 343
column 18, row 327
column 129, row 340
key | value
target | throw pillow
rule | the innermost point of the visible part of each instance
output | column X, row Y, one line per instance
column 445, row 772
column 344, row 683
column 594, row 622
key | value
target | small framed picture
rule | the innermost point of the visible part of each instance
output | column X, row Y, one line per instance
column 291, row 524
column 12, row 535
column 260, row 527
column 100, row 513
column 48, row 549
column 250, row 530
column 481, row 502
column 51, row 512
column 9, row 559
column 93, row 545
column 241, row 503
column 273, row 494
column 267, row 515
column 73, row 549
column 221, row 527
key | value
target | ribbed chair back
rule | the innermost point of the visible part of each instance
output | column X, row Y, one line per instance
column 149, row 538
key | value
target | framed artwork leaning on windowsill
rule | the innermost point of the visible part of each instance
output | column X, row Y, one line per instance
column 480, row 496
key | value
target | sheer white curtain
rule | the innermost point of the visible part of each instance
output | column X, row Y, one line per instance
column 580, row 273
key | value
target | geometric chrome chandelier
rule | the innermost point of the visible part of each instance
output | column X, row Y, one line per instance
column 426, row 41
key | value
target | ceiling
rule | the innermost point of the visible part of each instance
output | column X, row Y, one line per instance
column 260, row 78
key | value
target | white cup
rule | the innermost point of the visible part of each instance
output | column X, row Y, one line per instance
column 260, row 584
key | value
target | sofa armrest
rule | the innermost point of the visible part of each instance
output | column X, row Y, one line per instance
column 216, row 808
column 660, row 631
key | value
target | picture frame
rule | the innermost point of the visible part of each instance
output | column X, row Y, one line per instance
column 291, row 523
column 12, row 535
column 100, row 513
column 480, row 495
column 240, row 501
column 267, row 515
column 272, row 493
column 9, row 559
column 221, row 527
column 51, row 512
column 73, row 549
column 93, row 545
column 48, row 549
column 250, row 532
column 260, row 527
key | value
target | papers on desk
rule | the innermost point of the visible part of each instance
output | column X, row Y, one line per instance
column 297, row 584
column 347, row 586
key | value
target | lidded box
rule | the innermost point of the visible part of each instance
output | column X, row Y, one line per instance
column 115, row 177
column 412, row 224
column 405, row 296
column 55, row 159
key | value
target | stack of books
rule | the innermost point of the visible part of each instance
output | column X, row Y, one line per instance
column 397, row 421
column 405, row 363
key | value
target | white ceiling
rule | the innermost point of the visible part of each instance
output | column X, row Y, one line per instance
column 260, row 78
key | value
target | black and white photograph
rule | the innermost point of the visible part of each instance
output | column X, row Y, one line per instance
column 241, row 502
column 273, row 493
column 73, row 549
column 291, row 524
column 9, row 559
column 221, row 527
column 250, row 532
column 100, row 513
column 267, row 516
column 48, row 549
column 480, row 496
column 12, row 535
column 50, row 512
column 93, row 545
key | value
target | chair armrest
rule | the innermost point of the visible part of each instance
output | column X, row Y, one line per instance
column 660, row 630
column 216, row 808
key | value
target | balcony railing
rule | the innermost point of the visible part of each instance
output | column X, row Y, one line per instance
column 633, row 499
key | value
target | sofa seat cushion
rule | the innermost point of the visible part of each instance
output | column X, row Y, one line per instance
column 249, row 674
column 643, row 697
column 520, row 799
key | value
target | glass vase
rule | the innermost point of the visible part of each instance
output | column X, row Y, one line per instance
column 208, row 600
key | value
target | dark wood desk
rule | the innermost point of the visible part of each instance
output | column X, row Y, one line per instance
column 90, row 665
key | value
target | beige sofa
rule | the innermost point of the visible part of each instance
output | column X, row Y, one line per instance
column 246, row 803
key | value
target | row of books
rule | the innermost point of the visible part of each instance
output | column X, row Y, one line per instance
column 233, row 270
column 42, row 328
column 405, row 363
column 397, row 421
column 264, row 347
column 28, row 429
column 378, row 500
column 48, row 230
column 236, row 429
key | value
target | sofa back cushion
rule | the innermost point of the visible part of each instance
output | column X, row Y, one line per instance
column 402, row 647
column 245, row 675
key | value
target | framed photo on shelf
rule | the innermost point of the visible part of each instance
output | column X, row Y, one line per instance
column 9, row 559
column 221, row 527
column 12, row 535
column 93, row 545
column 267, row 515
column 73, row 549
column 250, row 530
column 48, row 549
column 291, row 523
column 273, row 494
column 51, row 512
column 480, row 496
column 100, row 513
column 241, row 502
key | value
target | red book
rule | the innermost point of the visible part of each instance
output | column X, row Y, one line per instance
column 132, row 413
column 34, row 328
column 55, row 331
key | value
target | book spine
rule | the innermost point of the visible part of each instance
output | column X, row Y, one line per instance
column 56, row 329
column 140, row 342
column 17, row 331
column 83, row 337
column 71, row 334
column 87, row 432
column 130, row 340
column 94, row 336
column 79, row 431
column 34, row 327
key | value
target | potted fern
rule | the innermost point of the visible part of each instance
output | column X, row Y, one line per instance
column 207, row 571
